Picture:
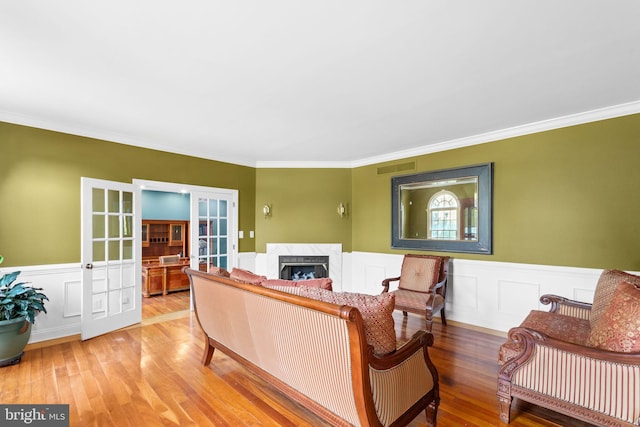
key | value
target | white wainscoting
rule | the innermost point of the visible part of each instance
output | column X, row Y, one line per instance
column 493, row 295
column 61, row 284
column 247, row 261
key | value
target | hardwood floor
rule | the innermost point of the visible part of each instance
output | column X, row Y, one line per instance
column 150, row 375
column 164, row 304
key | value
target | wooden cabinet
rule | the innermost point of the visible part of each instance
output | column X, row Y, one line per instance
column 161, row 238
column 164, row 278
column 145, row 235
column 152, row 280
column 176, row 280
column 176, row 234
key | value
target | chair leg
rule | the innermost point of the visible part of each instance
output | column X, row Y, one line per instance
column 443, row 317
column 504, row 404
column 431, row 412
column 404, row 313
column 428, row 317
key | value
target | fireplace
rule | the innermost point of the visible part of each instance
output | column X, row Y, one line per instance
column 303, row 267
column 333, row 251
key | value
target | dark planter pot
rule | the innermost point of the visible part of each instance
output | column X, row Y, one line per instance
column 14, row 335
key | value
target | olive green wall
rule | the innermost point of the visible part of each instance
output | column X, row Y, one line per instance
column 304, row 206
column 562, row 197
column 567, row 197
column 40, row 188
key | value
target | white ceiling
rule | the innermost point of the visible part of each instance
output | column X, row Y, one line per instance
column 334, row 82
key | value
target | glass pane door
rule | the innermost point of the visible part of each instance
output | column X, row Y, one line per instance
column 111, row 283
column 213, row 242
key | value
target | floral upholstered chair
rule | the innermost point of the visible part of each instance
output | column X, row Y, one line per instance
column 422, row 286
column 578, row 359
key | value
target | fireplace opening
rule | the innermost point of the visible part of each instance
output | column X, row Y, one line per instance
column 303, row 267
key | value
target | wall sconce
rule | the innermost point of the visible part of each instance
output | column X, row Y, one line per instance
column 266, row 210
column 342, row 210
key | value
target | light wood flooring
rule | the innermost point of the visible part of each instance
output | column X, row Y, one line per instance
column 150, row 375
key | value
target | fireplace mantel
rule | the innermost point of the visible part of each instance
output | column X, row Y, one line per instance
column 333, row 250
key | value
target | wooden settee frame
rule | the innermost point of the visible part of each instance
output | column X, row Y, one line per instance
column 394, row 378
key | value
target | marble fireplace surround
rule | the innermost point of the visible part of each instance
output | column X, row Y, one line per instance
column 332, row 250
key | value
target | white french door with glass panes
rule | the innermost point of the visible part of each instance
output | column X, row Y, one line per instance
column 110, row 252
column 213, row 239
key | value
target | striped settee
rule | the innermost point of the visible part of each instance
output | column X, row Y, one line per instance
column 579, row 359
column 316, row 352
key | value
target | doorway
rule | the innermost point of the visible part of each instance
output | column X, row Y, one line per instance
column 210, row 240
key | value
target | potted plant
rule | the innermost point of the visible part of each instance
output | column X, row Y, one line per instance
column 19, row 305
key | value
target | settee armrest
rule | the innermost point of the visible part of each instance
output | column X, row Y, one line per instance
column 566, row 306
column 404, row 381
column 386, row 282
column 558, row 374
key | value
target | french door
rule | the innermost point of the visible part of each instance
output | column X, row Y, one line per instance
column 214, row 221
column 111, row 253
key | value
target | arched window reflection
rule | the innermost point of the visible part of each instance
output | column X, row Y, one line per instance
column 443, row 216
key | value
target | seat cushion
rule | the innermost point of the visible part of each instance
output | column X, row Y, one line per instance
column 558, row 326
column 417, row 301
column 607, row 284
column 618, row 329
column 419, row 274
column 376, row 311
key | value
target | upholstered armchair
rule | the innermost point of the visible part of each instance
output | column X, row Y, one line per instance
column 422, row 286
column 579, row 359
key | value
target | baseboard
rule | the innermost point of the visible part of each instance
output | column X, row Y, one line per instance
column 54, row 341
column 468, row 326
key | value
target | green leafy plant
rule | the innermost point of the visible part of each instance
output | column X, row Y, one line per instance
column 18, row 299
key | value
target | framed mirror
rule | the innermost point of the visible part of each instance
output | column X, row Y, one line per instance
column 447, row 210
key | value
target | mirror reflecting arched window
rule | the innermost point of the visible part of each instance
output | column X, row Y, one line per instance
column 443, row 216
column 447, row 210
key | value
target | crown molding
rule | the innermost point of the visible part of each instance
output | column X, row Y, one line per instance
column 107, row 136
column 541, row 126
column 303, row 165
column 531, row 128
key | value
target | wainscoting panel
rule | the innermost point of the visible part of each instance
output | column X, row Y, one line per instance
column 61, row 284
column 374, row 275
column 72, row 303
column 513, row 297
column 492, row 295
column 465, row 293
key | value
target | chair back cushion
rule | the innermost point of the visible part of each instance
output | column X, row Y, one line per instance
column 246, row 276
column 324, row 283
column 606, row 287
column 419, row 272
column 169, row 259
column 219, row 271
